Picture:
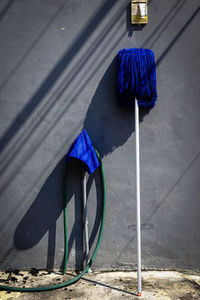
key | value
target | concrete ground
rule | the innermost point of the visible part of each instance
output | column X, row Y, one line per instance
column 162, row 285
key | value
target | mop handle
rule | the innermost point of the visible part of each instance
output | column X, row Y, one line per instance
column 138, row 197
column 85, row 217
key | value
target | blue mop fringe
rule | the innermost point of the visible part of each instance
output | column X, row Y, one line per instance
column 136, row 77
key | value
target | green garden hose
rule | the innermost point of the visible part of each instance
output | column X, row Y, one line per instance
column 75, row 279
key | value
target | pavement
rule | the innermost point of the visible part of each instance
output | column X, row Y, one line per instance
column 162, row 285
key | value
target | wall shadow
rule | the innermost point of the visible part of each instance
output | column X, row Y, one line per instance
column 55, row 73
column 42, row 215
column 16, row 146
column 6, row 8
column 178, row 35
column 109, row 126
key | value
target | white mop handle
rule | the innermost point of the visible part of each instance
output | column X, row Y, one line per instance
column 85, row 218
column 138, row 196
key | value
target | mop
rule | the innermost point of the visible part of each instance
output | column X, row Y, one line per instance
column 83, row 150
column 136, row 86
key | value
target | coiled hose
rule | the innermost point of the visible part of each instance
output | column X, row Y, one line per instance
column 75, row 279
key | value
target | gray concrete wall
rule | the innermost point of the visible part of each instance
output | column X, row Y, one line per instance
column 57, row 76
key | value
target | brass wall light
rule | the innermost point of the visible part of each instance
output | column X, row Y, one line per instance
column 139, row 13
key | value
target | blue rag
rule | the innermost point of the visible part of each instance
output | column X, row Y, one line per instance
column 83, row 150
column 136, row 77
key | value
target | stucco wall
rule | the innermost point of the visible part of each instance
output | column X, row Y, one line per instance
column 57, row 76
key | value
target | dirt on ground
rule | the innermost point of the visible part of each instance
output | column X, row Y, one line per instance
column 162, row 285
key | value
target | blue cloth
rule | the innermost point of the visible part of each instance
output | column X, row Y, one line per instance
column 136, row 77
column 83, row 150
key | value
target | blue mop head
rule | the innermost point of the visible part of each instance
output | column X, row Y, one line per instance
column 136, row 77
column 83, row 150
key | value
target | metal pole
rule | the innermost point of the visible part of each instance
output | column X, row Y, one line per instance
column 85, row 218
column 138, row 197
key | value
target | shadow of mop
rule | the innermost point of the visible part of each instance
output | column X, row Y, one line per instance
column 42, row 216
column 108, row 125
